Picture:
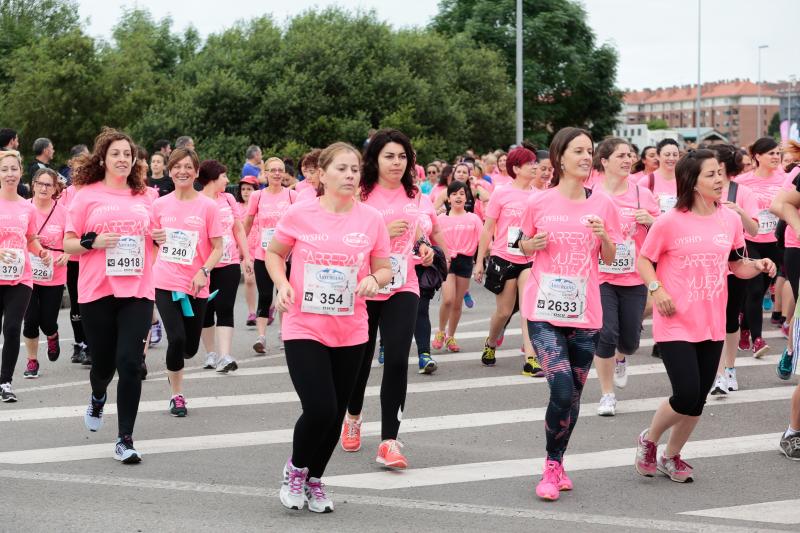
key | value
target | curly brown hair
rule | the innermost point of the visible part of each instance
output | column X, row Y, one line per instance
column 88, row 169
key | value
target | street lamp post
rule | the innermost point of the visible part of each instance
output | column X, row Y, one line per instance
column 697, row 110
column 519, row 73
column 792, row 80
column 760, row 121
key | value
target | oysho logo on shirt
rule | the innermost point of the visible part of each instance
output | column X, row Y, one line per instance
column 356, row 240
column 106, row 209
column 690, row 239
column 314, row 237
column 193, row 221
column 555, row 218
column 168, row 220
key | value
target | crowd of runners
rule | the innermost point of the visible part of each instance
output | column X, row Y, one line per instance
column 583, row 241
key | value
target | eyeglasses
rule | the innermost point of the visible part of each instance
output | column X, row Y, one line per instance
column 43, row 184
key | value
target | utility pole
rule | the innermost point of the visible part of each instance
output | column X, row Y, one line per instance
column 697, row 105
column 760, row 120
column 520, row 133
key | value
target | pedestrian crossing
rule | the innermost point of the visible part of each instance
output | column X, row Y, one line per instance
column 262, row 386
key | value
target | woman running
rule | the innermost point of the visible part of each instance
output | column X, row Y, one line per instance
column 477, row 193
column 247, row 185
column 765, row 181
column 461, row 232
column 325, row 321
column 695, row 245
column 110, row 227
column 646, row 165
column 48, row 280
column 225, row 276
column 265, row 208
column 501, row 177
column 661, row 181
column 742, row 201
column 307, row 189
column 17, row 240
column 508, row 267
column 388, row 186
column 191, row 248
column 569, row 229
column 622, row 292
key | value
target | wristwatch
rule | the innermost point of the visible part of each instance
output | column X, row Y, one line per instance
column 204, row 270
column 653, row 286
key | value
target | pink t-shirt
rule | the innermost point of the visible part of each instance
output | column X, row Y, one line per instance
column 506, row 207
column 692, row 254
column 303, row 185
column 436, row 192
column 623, row 271
column 229, row 213
column 101, row 209
column 636, row 176
column 194, row 222
column 461, row 233
column 253, row 238
column 500, row 180
column 321, row 240
column 17, row 222
column 563, row 287
column 666, row 191
column 765, row 190
column 267, row 209
column 744, row 199
column 66, row 197
column 308, row 193
column 790, row 237
column 427, row 220
column 51, row 237
column 594, row 178
column 394, row 204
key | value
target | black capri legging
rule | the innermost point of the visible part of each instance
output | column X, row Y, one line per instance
column 226, row 281
column 397, row 318
column 323, row 378
column 13, row 301
column 737, row 290
column 183, row 332
column 757, row 286
column 74, row 307
column 42, row 311
column 692, row 368
column 791, row 267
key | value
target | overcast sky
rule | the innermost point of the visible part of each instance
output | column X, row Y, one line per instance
column 656, row 39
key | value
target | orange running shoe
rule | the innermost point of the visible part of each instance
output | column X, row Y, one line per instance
column 438, row 340
column 452, row 345
column 390, row 456
column 351, row 434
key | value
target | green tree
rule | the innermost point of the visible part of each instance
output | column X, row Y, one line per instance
column 657, row 124
column 774, row 128
column 568, row 79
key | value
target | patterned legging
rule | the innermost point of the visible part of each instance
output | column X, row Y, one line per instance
column 566, row 356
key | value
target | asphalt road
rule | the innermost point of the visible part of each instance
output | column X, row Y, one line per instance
column 474, row 438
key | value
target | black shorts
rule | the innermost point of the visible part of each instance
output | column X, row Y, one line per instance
column 461, row 266
column 498, row 271
column 623, row 308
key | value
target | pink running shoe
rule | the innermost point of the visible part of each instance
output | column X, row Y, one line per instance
column 760, row 347
column 564, row 482
column 547, row 489
column 645, row 455
column 452, row 345
column 351, row 434
column 675, row 468
column 438, row 340
column 744, row 339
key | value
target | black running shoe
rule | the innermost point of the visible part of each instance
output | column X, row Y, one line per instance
column 86, row 357
column 656, row 352
column 77, row 353
column 143, row 370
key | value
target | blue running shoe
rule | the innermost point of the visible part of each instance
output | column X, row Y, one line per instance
column 468, row 301
column 767, row 303
column 426, row 364
column 785, row 365
column 380, row 355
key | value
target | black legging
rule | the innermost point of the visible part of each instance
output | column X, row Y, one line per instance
column 74, row 307
column 42, row 311
column 183, row 332
column 692, row 368
column 13, row 302
column 323, row 378
column 397, row 318
column 265, row 287
column 422, row 330
column 791, row 267
column 737, row 290
column 117, row 330
column 226, row 281
column 757, row 286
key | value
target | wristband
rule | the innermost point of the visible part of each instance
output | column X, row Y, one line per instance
column 204, row 270
column 87, row 240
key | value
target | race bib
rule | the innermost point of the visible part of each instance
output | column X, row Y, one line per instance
column 12, row 271
column 512, row 242
column 127, row 257
column 624, row 259
column 666, row 202
column 41, row 272
column 767, row 222
column 266, row 236
column 561, row 298
column 227, row 254
column 180, row 246
column 399, row 273
column 329, row 290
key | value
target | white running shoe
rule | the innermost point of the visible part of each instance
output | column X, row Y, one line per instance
column 226, row 364
column 720, row 386
column 730, row 375
column 211, row 360
column 292, row 488
column 621, row 373
column 607, row 405
column 93, row 418
column 318, row 500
